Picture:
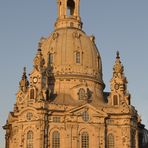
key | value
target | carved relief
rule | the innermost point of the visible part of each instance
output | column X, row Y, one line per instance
column 55, row 35
column 39, row 61
column 29, row 116
column 76, row 35
column 125, row 135
column 81, row 94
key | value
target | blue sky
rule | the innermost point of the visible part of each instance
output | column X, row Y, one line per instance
column 117, row 25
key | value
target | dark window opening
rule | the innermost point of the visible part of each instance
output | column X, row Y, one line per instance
column 55, row 139
column 115, row 100
column 51, row 58
column 77, row 57
column 32, row 94
column 84, row 140
column 70, row 7
column 29, row 139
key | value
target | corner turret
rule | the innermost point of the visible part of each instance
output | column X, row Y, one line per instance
column 118, row 85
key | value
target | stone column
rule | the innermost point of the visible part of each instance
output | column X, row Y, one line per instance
column 69, row 136
column 103, row 138
column 75, row 136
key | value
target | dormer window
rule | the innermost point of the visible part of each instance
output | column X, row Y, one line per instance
column 85, row 140
column 78, row 57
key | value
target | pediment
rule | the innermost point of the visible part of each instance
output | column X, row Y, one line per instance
column 28, row 113
column 89, row 108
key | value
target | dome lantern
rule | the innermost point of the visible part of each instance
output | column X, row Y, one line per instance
column 68, row 14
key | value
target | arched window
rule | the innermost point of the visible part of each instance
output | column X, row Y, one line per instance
column 77, row 57
column 55, row 139
column 29, row 139
column 32, row 94
column 50, row 60
column 110, row 141
column 115, row 100
column 84, row 140
column 70, row 7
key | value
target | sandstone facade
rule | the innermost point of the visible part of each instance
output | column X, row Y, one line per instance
column 63, row 104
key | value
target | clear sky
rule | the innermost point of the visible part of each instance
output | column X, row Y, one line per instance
column 117, row 25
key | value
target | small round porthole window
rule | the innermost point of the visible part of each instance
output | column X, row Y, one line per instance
column 85, row 116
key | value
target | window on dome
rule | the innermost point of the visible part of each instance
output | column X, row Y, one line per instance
column 110, row 141
column 77, row 57
column 70, row 7
column 84, row 140
column 32, row 94
column 50, row 60
column 115, row 100
column 29, row 143
column 55, row 139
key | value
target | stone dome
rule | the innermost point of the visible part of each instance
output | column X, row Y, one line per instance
column 72, row 54
column 72, row 59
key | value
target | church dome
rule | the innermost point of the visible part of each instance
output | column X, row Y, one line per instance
column 72, row 59
column 72, row 53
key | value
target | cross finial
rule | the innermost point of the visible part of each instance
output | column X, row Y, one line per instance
column 39, row 46
column 68, row 14
column 118, row 55
column 24, row 69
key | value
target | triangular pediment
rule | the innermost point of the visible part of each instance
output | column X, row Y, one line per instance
column 89, row 108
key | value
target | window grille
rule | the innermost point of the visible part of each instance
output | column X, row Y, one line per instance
column 29, row 139
column 85, row 116
column 51, row 58
column 85, row 140
column 78, row 57
column 55, row 139
column 110, row 141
